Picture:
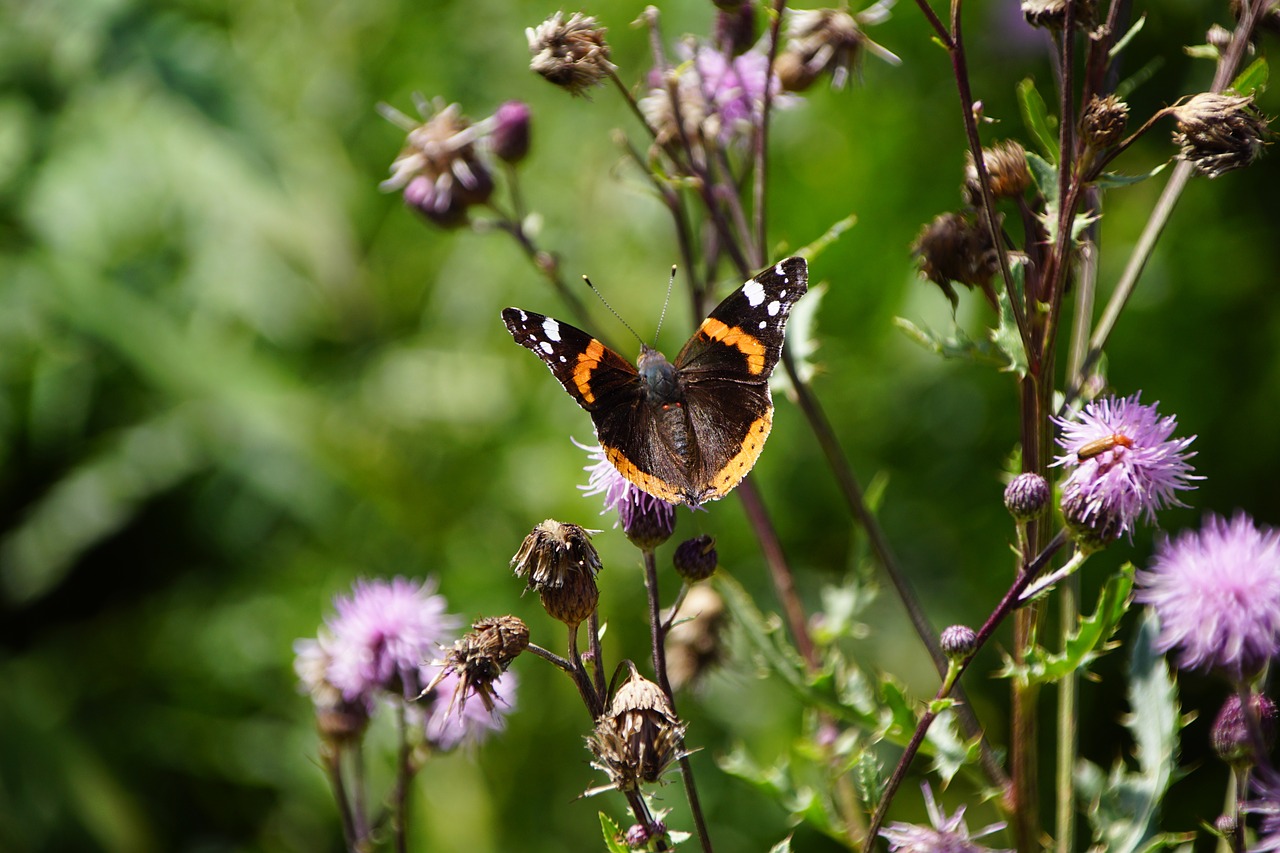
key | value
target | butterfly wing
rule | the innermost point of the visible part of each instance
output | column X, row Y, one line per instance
column 594, row 375
column 725, row 369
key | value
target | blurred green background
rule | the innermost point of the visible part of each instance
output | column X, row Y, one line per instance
column 234, row 376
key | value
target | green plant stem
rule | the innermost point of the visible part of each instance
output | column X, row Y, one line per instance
column 659, row 638
column 331, row 755
column 1008, row 604
column 597, row 654
column 1068, row 731
column 404, row 773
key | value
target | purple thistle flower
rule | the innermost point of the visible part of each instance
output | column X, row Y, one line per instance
column 1217, row 593
column 1124, row 465
column 947, row 835
column 381, row 637
column 634, row 505
column 450, row 723
column 1266, row 784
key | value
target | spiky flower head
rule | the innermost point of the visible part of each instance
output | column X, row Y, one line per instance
column 553, row 552
column 719, row 98
column 1266, row 802
column 646, row 520
column 480, row 657
column 381, row 636
column 1026, row 496
column 946, row 835
column 1232, row 735
column 639, row 737
column 695, row 642
column 829, row 41
column 1124, row 466
column 439, row 169
column 1102, row 125
column 696, row 559
column 953, row 249
column 1217, row 593
column 958, row 641
column 571, row 54
column 1219, row 133
column 1007, row 172
column 448, row 725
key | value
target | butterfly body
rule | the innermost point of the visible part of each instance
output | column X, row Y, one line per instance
column 688, row 430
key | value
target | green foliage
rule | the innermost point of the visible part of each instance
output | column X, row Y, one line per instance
column 1039, row 122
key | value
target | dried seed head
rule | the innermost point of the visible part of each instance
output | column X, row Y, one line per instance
column 828, row 41
column 553, row 553
column 574, row 602
column 480, row 657
column 639, row 737
column 695, row 641
column 1231, row 738
column 1104, row 120
column 510, row 137
column 1026, row 496
column 1219, row 133
column 954, row 249
column 958, row 641
column 696, row 559
column 1052, row 14
column 571, row 54
column 439, row 169
column 1007, row 173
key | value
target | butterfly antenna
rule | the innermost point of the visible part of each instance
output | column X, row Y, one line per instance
column 611, row 311
column 665, row 303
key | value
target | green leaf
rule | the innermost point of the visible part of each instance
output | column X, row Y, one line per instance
column 957, row 344
column 1110, row 180
column 612, row 835
column 1252, row 80
column 951, row 751
column 1089, row 642
column 1123, row 41
column 1005, row 336
column 1137, row 78
column 1045, row 174
column 1035, row 115
column 1202, row 51
column 1123, row 806
column 783, row 846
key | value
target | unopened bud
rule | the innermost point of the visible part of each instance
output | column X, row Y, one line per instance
column 1231, row 736
column 1026, row 496
column 696, row 559
column 1103, row 124
column 510, row 138
column 958, row 641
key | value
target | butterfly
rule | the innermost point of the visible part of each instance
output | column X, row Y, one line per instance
column 686, row 431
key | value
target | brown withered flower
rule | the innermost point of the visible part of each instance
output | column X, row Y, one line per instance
column 695, row 641
column 571, row 54
column 439, row 169
column 553, row 552
column 1103, row 123
column 828, row 41
column 955, row 249
column 1007, row 172
column 638, row 738
column 480, row 657
column 1219, row 133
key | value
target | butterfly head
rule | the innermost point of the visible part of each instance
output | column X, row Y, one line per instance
column 659, row 377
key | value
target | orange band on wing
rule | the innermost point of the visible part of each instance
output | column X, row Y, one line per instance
column 647, row 482
column 731, row 474
column 732, row 336
column 587, row 362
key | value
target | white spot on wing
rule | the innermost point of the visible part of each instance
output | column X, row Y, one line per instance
column 779, row 270
column 547, row 347
column 524, row 318
column 552, row 328
column 763, row 324
column 754, row 291
column 774, row 307
column 562, row 359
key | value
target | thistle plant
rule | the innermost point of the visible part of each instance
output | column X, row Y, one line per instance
column 1020, row 252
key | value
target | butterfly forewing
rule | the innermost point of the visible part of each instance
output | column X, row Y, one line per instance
column 594, row 375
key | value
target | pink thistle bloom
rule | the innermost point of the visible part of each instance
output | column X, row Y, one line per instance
column 450, row 723
column 1217, row 593
column 633, row 504
column 381, row 637
column 947, row 835
column 1123, row 464
column 1266, row 784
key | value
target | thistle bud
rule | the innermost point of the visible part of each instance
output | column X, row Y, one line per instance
column 954, row 249
column 735, row 27
column 1092, row 527
column 639, row 737
column 1007, row 173
column 1219, row 133
column 1103, row 123
column 510, row 137
column 480, row 657
column 571, row 54
column 1026, row 496
column 649, row 523
column 696, row 559
column 695, row 641
column 958, row 642
column 553, row 553
column 1231, row 738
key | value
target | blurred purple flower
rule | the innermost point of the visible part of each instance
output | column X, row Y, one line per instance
column 947, row 835
column 1266, row 784
column 1123, row 464
column 381, row 637
column 1217, row 593
column 451, row 723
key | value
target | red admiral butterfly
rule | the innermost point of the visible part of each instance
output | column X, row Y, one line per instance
column 688, row 431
